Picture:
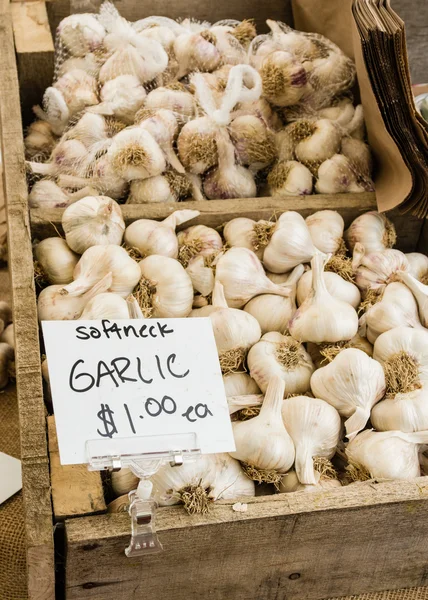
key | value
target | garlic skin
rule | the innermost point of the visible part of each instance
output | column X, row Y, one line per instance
column 199, row 240
column 202, row 277
column 243, row 277
column 93, row 221
column 373, row 230
column 274, row 312
column 319, row 141
column 413, row 342
column 319, row 360
column 326, row 229
column 322, row 317
column 47, row 194
column 163, row 127
column 54, row 305
column 240, row 233
column 314, row 427
column 78, row 89
column 285, row 80
column 89, row 63
column 196, row 52
column 418, row 265
column 197, row 145
column 352, row 383
column 290, row 245
column 336, row 175
column 218, row 474
column 420, row 292
column 105, row 306
column 154, row 237
column 290, row 483
column 290, row 178
column 263, row 442
column 56, row 259
column 134, row 154
column 397, row 308
column 121, row 97
column 388, row 454
column 281, row 356
column 68, row 157
column 154, row 189
column 96, row 262
column 81, row 33
column 167, row 288
column 254, row 143
column 180, row 102
column 239, row 384
column 373, row 271
column 39, row 140
column 336, row 286
column 359, row 155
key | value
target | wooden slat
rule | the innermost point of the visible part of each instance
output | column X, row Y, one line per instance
column 298, row 546
column 46, row 223
column 34, row 53
column 35, row 468
column 75, row 490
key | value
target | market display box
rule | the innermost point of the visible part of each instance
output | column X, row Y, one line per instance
column 296, row 546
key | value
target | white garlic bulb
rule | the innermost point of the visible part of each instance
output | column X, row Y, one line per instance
column 105, row 306
column 168, row 187
column 39, row 140
column 290, row 483
column 290, row 245
column 263, row 442
column 322, row 317
column 375, row 270
column 326, row 229
column 285, row 80
column 81, row 33
column 254, row 143
column 290, row 178
column 314, row 427
column 195, row 484
column 243, row 277
column 359, row 155
column 373, row 230
column 335, row 284
column 274, row 312
column 336, row 175
column 47, row 194
column 418, row 265
column 235, row 331
column 54, row 305
column 68, row 157
column 396, row 308
column 239, row 384
column 121, row 97
column 202, row 276
column 240, row 233
column 93, row 221
column 96, row 262
column 387, row 454
column 165, row 289
column 179, row 101
column 196, row 52
column 89, row 63
column 56, row 260
column 162, row 125
column 134, row 154
column 318, row 141
column 352, row 383
column 197, row 146
column 198, row 240
column 277, row 355
column 420, row 292
column 154, row 237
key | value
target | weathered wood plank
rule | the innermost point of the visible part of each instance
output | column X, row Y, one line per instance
column 214, row 213
column 35, row 468
column 75, row 490
column 299, row 546
column 34, row 53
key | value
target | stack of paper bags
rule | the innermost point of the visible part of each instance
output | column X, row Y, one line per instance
column 397, row 133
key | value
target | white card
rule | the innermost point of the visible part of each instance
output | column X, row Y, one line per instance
column 10, row 476
column 119, row 383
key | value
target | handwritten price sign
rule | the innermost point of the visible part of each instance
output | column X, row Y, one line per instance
column 113, row 380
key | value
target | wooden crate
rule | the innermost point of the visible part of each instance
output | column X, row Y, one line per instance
column 301, row 546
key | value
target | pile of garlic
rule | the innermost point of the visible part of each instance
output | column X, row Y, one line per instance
column 165, row 111
column 321, row 336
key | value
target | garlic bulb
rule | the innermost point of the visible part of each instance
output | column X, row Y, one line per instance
column 39, row 140
column 90, row 63
column 105, row 306
column 420, row 292
column 326, row 229
column 195, row 484
column 359, row 155
column 80, row 33
column 8, row 337
column 254, row 143
column 243, row 277
column 317, row 141
column 123, row 481
column 180, row 102
column 169, row 187
column 290, row 483
column 240, row 232
column 54, row 305
column 290, row 244
column 121, row 97
column 239, row 384
column 7, row 355
column 325, row 353
column 418, row 266
column 290, row 178
column 102, row 176
column 323, row 317
column 336, row 286
column 202, row 276
column 68, row 157
column 263, row 443
column 235, row 331
column 388, row 454
column 165, row 289
column 196, row 52
column 134, row 154
column 281, row 356
column 198, row 240
column 336, row 175
column 259, row 108
column 164, row 35
column 396, row 308
column 93, row 221
column 162, row 125
column 197, row 145
column 96, row 262
column 373, row 271
column 373, row 230
column 274, row 312
column 78, row 90
column 352, row 383
column 314, row 427
column 56, row 260
column 47, row 194
column 153, row 237
column 285, row 80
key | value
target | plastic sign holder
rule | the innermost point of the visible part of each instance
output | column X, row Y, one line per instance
column 175, row 449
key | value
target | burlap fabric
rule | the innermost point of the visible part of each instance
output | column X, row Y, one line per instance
column 13, row 580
